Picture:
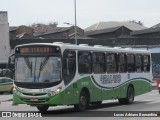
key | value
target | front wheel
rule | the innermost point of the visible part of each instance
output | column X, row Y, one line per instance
column 43, row 108
column 83, row 102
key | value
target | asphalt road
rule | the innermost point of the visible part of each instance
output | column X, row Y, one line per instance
column 147, row 102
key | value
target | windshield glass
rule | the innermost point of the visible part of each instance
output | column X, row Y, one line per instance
column 38, row 69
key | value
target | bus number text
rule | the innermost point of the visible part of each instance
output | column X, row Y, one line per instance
column 109, row 79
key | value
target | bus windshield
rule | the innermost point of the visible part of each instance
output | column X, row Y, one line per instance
column 38, row 69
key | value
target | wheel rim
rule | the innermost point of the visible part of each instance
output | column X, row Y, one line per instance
column 83, row 101
column 131, row 96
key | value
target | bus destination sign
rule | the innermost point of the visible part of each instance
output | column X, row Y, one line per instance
column 37, row 49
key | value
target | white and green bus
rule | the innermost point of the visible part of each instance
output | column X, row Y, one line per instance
column 54, row 74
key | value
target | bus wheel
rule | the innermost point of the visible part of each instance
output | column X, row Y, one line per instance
column 83, row 102
column 43, row 108
column 130, row 95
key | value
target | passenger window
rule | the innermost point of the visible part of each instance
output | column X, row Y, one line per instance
column 98, row 60
column 139, row 63
column 130, row 63
column 111, row 63
column 84, row 62
column 69, row 65
column 122, row 63
column 146, row 63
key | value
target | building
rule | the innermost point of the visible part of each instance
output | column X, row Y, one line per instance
column 60, row 33
column 104, row 30
column 114, row 32
column 4, row 39
column 147, row 33
column 21, row 32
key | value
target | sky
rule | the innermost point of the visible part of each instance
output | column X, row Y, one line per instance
column 89, row 12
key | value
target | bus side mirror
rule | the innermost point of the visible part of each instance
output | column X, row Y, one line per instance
column 11, row 61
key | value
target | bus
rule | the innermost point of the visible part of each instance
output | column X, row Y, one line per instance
column 51, row 74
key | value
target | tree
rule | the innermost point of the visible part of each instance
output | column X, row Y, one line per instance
column 137, row 22
column 40, row 24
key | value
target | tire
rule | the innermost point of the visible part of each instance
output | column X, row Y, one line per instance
column 130, row 95
column 83, row 102
column 43, row 108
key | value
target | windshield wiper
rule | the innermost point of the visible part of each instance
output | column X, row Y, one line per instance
column 44, row 62
column 28, row 63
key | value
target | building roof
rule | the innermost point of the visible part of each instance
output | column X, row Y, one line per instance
column 13, row 28
column 155, row 26
column 145, row 31
column 55, row 30
column 107, row 30
column 43, row 28
column 104, row 25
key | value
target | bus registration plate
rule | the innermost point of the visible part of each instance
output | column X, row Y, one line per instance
column 33, row 99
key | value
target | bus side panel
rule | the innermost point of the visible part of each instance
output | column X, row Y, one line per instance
column 140, row 87
column 94, row 92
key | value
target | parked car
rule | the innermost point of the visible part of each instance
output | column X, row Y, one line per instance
column 6, row 84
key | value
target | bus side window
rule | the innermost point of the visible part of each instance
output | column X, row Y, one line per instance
column 98, row 62
column 130, row 63
column 69, row 65
column 121, row 63
column 146, row 63
column 111, row 63
column 84, row 62
column 139, row 64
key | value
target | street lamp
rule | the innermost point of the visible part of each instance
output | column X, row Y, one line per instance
column 75, row 25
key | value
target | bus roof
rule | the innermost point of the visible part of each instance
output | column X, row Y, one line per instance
column 101, row 48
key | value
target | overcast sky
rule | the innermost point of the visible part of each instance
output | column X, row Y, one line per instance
column 25, row 12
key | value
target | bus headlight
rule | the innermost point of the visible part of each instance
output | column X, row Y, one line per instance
column 14, row 89
column 159, row 85
column 58, row 89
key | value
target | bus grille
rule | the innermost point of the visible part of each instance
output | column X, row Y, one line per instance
column 41, row 100
column 35, row 94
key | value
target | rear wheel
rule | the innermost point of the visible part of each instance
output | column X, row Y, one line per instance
column 83, row 102
column 130, row 97
column 43, row 108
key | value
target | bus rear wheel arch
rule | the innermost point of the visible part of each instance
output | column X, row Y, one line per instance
column 129, row 97
column 84, row 99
